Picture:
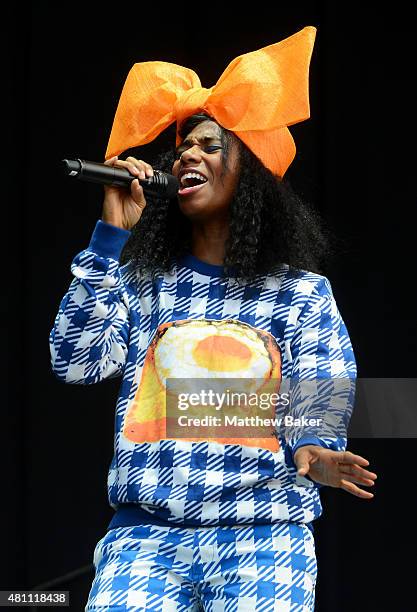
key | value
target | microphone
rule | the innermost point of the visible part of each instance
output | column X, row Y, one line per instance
column 161, row 185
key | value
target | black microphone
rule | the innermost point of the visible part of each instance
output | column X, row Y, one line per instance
column 160, row 184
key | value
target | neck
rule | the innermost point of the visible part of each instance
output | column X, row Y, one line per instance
column 209, row 241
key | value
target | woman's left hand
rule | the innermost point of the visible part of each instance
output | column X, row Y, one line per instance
column 335, row 468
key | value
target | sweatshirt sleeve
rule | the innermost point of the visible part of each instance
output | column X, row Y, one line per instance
column 89, row 339
column 322, row 385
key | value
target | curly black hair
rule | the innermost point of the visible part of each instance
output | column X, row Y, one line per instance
column 270, row 224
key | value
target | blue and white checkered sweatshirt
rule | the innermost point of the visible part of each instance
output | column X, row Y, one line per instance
column 107, row 321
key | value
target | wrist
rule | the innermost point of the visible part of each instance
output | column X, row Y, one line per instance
column 114, row 221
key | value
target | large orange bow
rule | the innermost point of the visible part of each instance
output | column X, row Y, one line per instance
column 257, row 97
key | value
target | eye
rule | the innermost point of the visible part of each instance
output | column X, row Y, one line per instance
column 212, row 148
column 207, row 149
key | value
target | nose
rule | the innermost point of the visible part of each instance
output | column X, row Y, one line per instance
column 191, row 154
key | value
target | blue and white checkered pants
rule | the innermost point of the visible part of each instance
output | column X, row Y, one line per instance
column 262, row 568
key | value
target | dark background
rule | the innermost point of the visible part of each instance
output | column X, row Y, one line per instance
column 65, row 66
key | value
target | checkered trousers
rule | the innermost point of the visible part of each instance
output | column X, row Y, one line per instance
column 261, row 568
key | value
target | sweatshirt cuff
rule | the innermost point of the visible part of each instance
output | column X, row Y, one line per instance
column 108, row 240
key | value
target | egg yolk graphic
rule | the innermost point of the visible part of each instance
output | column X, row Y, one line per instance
column 195, row 349
column 222, row 354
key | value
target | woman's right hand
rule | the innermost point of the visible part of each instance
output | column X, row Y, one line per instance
column 121, row 207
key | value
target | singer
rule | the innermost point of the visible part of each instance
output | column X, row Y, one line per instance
column 222, row 281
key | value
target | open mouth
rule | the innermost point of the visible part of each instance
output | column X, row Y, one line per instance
column 191, row 182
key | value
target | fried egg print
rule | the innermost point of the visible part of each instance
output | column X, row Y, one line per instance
column 201, row 348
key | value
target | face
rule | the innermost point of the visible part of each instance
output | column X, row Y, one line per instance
column 204, row 193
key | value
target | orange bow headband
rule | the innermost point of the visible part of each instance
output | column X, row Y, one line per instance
column 257, row 97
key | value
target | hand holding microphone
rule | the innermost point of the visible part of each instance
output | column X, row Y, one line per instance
column 123, row 207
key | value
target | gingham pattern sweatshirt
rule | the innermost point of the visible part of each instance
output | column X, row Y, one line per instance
column 104, row 328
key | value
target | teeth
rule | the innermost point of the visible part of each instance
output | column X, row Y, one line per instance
column 189, row 175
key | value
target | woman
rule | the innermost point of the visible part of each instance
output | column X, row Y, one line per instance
column 220, row 283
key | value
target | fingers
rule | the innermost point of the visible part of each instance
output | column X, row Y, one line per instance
column 303, row 468
column 111, row 161
column 303, row 459
column 136, row 167
column 363, row 481
column 358, row 472
column 353, row 473
column 350, row 464
column 136, row 191
column 348, row 457
column 354, row 490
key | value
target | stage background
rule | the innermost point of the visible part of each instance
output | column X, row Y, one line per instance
column 65, row 66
